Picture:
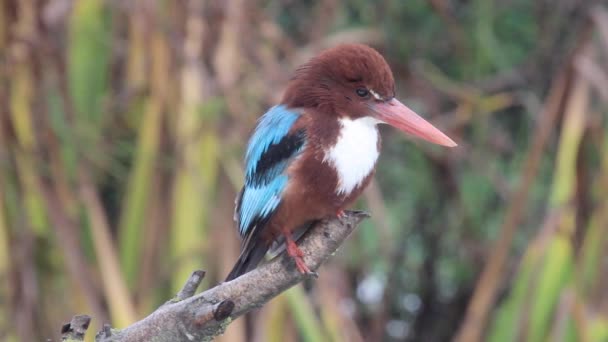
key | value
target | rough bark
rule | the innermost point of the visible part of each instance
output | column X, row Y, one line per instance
column 201, row 317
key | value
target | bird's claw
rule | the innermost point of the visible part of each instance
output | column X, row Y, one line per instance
column 340, row 214
column 297, row 255
column 303, row 269
column 313, row 274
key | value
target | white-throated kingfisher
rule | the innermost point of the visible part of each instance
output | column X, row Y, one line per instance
column 313, row 154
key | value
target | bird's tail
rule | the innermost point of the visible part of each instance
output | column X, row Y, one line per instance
column 249, row 258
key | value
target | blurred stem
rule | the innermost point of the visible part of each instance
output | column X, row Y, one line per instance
column 68, row 237
column 88, row 71
column 198, row 144
column 22, row 95
column 491, row 276
column 304, row 315
column 555, row 274
column 594, row 249
column 137, row 194
column 572, row 130
column 136, row 66
column 276, row 324
column 88, row 58
column 556, row 268
column 4, row 27
column 556, row 271
column 194, row 186
column 5, row 262
column 595, row 243
column 338, row 324
column 116, row 291
column 514, row 311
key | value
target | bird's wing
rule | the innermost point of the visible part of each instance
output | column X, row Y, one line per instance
column 272, row 147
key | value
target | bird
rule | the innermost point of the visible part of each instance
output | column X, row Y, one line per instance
column 312, row 155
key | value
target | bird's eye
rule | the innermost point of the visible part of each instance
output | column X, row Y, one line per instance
column 362, row 92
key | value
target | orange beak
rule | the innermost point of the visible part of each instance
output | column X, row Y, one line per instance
column 401, row 117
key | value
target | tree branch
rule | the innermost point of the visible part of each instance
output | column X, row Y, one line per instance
column 75, row 330
column 206, row 315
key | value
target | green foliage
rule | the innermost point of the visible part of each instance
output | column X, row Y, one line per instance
column 123, row 129
column 88, row 63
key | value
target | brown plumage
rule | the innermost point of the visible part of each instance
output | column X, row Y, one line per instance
column 327, row 82
column 338, row 97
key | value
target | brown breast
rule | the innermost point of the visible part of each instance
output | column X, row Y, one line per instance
column 312, row 190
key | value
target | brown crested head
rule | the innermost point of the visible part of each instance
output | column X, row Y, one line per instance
column 353, row 81
column 342, row 81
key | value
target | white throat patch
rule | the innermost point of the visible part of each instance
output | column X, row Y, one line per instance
column 355, row 152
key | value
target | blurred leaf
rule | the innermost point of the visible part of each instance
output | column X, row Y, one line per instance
column 197, row 170
column 88, row 63
column 304, row 315
column 137, row 194
column 554, row 275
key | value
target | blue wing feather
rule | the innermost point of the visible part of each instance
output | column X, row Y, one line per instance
column 271, row 148
column 260, row 202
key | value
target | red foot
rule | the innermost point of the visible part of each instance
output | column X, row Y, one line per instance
column 341, row 214
column 296, row 254
column 301, row 266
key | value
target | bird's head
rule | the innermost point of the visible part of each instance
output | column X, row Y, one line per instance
column 354, row 80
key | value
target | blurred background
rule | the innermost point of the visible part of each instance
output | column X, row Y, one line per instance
column 123, row 126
